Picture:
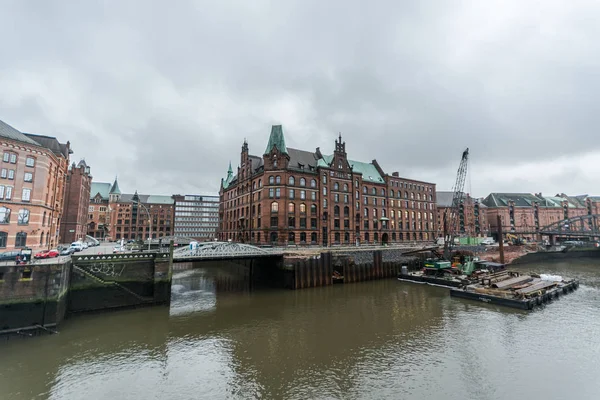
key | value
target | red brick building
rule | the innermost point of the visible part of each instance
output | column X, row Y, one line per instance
column 472, row 215
column 114, row 215
column 291, row 196
column 32, row 188
column 77, row 201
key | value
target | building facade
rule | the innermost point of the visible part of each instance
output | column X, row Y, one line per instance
column 196, row 216
column 74, row 223
column 471, row 219
column 524, row 214
column 32, row 188
column 291, row 196
column 114, row 215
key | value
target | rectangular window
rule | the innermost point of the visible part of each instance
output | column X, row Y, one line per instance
column 4, row 173
column 271, row 193
column 11, row 174
column 1, row 192
column 28, row 177
column 324, row 191
column 26, row 194
column 102, row 209
column 8, row 194
column 13, row 158
column 336, row 198
column 313, row 196
column 346, row 198
column 291, row 194
column 302, row 222
column 91, row 209
column 277, row 193
column 30, row 161
column 303, row 194
column 274, row 221
column 6, row 157
column 313, row 223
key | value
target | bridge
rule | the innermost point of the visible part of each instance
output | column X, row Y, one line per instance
column 223, row 250
column 582, row 226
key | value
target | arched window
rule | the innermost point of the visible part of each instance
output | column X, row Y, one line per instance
column 302, row 182
column 4, row 215
column 313, row 237
column 253, row 185
column 303, row 237
column 259, row 210
column 357, row 195
column 260, row 183
column 337, row 237
column 345, row 187
column 23, row 218
column 347, row 237
column 406, row 195
column 21, row 240
column 374, row 213
column 336, row 186
column 383, row 192
column 303, row 208
column 3, row 239
column 374, row 191
column 364, row 189
column 383, row 212
column 366, row 212
column 392, row 213
column 336, row 211
column 313, row 209
column 278, row 180
column 346, row 211
column 418, row 196
column 412, row 195
column 391, row 193
column 291, row 180
column 41, row 238
column 274, row 207
column 271, row 180
column 291, row 207
column 313, row 183
column 430, row 198
column 44, row 219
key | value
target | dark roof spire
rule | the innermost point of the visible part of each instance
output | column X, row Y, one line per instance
column 276, row 140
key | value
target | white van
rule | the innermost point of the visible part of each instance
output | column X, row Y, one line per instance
column 77, row 246
column 488, row 241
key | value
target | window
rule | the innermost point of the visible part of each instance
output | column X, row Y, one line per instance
column 1, row 192
column 345, row 187
column 391, row 193
column 302, row 182
column 271, row 193
column 13, row 158
column 357, row 195
column 324, row 191
column 102, row 209
column 3, row 239
column 274, row 207
column 291, row 194
column 260, row 183
column 277, row 193
column 313, row 196
column 336, row 198
column 366, row 212
column 271, row 180
column 303, row 208
column 4, row 173
column 28, row 177
column 6, row 157
column 303, row 194
column 364, row 190
column 278, row 180
column 313, row 209
column 4, row 215
column 91, row 209
column 21, row 240
column 336, row 211
column 374, row 191
column 291, row 181
column 291, row 207
column 30, row 161
column 336, row 186
column 313, row 183
column 26, row 194
column 324, row 203
column 23, row 218
column 383, row 192
column 11, row 174
column 346, row 212
column 324, row 179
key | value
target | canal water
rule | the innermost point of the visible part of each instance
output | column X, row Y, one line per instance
column 373, row 340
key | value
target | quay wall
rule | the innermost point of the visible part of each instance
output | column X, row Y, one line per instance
column 38, row 296
column 348, row 267
column 556, row 255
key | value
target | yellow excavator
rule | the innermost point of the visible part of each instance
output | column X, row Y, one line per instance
column 514, row 240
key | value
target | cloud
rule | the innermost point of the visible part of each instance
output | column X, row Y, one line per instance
column 164, row 95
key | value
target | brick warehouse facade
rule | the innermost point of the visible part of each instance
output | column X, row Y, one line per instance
column 472, row 215
column 291, row 196
column 114, row 215
column 32, row 188
column 73, row 226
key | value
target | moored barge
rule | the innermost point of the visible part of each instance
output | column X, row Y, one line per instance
column 512, row 289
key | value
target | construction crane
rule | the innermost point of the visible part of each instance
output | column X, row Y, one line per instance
column 457, row 199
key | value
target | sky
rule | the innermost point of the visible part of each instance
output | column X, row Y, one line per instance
column 163, row 94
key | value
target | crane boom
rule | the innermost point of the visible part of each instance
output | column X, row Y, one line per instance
column 457, row 199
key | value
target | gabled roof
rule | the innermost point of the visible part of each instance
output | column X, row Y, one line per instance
column 115, row 188
column 51, row 143
column 302, row 160
column 276, row 139
column 519, row 200
column 368, row 170
column 8, row 132
column 100, row 187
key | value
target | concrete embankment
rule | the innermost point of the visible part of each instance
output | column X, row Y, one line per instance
column 556, row 255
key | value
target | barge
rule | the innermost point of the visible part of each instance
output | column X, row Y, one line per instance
column 512, row 289
column 444, row 274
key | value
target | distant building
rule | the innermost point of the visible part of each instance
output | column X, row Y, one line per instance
column 114, row 215
column 291, row 196
column 73, row 226
column 471, row 219
column 196, row 216
column 32, row 188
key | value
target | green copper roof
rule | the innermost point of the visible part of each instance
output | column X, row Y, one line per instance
column 368, row 170
column 276, row 140
column 100, row 187
column 225, row 182
column 155, row 199
column 115, row 188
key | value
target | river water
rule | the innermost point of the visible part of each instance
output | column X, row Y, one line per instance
column 372, row 340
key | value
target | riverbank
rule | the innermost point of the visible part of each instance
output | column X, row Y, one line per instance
column 515, row 255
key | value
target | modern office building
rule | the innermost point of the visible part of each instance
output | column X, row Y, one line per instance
column 196, row 216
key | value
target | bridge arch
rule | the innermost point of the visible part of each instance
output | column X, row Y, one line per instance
column 584, row 225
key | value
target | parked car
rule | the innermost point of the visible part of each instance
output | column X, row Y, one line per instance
column 47, row 254
column 77, row 246
column 67, row 251
column 9, row 255
column 488, row 241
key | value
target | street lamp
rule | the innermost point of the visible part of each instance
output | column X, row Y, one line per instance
column 149, row 222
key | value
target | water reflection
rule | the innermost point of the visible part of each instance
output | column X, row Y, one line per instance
column 382, row 339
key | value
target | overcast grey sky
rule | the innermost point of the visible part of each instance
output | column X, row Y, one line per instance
column 164, row 93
